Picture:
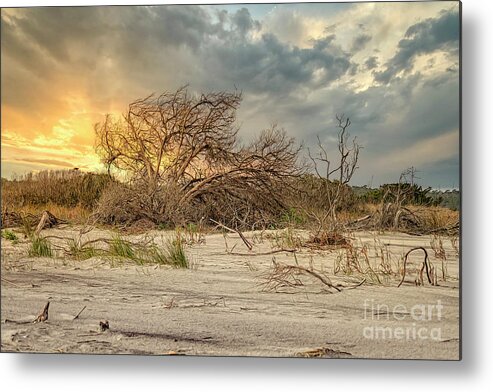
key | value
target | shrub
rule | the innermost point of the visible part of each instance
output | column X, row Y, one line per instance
column 9, row 235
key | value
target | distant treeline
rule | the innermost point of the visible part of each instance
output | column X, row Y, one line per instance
column 418, row 195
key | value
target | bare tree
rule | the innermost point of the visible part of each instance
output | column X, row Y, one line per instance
column 188, row 144
column 335, row 177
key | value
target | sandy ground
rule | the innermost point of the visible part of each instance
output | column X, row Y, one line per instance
column 218, row 307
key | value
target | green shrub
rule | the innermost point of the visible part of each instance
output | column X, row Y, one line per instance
column 9, row 235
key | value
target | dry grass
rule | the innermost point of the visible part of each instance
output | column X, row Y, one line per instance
column 374, row 263
column 68, row 188
column 67, row 194
column 436, row 218
column 76, row 215
column 436, row 244
column 288, row 238
column 326, row 239
column 73, row 196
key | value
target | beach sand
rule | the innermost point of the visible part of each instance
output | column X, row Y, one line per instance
column 218, row 308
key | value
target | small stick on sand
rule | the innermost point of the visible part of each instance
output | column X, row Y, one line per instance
column 78, row 314
column 264, row 253
column 12, row 283
column 355, row 286
column 43, row 316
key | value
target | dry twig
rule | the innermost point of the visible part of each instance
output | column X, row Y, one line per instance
column 78, row 314
column 236, row 231
column 43, row 316
column 283, row 275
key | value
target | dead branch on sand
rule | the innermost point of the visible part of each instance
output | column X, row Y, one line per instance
column 47, row 220
column 263, row 253
column 43, row 316
column 248, row 244
column 424, row 266
column 78, row 314
column 284, row 275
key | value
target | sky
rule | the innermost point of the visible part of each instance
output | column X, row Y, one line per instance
column 392, row 68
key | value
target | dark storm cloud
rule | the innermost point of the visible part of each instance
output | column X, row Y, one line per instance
column 244, row 22
column 384, row 121
column 371, row 62
column 270, row 66
column 424, row 37
column 360, row 42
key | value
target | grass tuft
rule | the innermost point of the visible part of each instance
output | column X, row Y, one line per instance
column 40, row 247
column 82, row 252
column 121, row 248
column 173, row 254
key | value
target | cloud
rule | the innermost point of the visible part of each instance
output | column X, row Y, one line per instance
column 360, row 42
column 270, row 66
column 433, row 34
column 371, row 62
column 47, row 162
column 243, row 21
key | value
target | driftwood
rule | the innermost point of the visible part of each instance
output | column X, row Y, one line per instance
column 425, row 265
column 16, row 219
column 43, row 316
column 47, row 220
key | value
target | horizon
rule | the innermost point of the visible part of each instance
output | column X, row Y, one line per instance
column 393, row 69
